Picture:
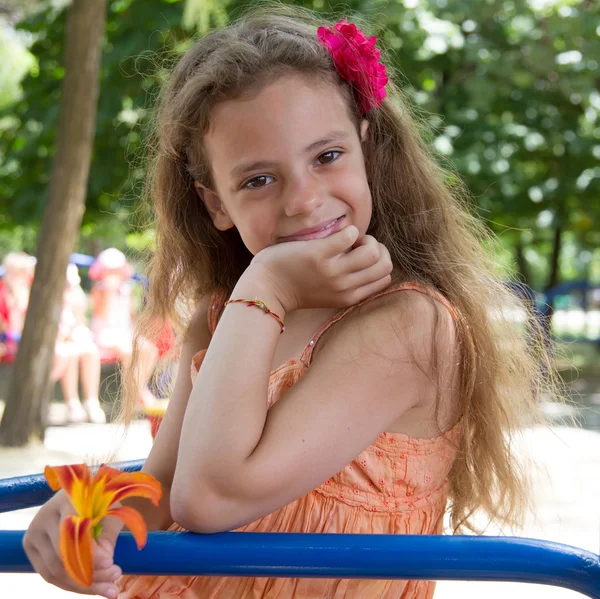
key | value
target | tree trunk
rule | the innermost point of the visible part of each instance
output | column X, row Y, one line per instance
column 553, row 276
column 26, row 404
column 555, row 258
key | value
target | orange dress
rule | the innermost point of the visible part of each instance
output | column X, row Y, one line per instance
column 397, row 485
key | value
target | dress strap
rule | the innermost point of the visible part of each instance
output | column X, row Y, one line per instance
column 404, row 286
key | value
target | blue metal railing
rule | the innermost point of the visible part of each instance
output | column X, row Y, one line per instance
column 415, row 557
column 21, row 492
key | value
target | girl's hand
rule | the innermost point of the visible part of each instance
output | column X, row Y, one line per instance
column 41, row 546
column 335, row 272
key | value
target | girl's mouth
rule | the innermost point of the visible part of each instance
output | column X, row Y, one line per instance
column 326, row 230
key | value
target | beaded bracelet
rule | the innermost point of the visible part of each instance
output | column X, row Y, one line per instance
column 262, row 306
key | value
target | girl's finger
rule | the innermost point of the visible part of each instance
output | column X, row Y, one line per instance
column 103, row 555
column 366, row 291
column 104, row 582
column 338, row 243
column 372, row 274
column 39, row 565
column 106, row 589
column 364, row 240
column 52, row 561
column 362, row 257
column 48, row 565
column 104, row 548
column 107, row 574
column 54, row 572
column 52, row 535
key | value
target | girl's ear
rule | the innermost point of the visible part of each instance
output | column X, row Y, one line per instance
column 366, row 148
column 364, row 125
column 215, row 207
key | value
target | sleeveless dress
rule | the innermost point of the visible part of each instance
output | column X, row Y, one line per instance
column 397, row 485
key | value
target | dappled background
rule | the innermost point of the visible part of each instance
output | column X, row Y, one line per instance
column 510, row 88
column 507, row 93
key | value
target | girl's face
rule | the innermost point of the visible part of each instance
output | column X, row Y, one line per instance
column 287, row 165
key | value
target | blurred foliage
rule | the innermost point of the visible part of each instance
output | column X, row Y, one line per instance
column 14, row 10
column 15, row 61
column 508, row 90
column 137, row 42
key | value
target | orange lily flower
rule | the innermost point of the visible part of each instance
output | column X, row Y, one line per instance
column 92, row 497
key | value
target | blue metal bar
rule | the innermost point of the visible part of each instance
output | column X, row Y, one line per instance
column 21, row 492
column 287, row 555
column 82, row 260
column 324, row 555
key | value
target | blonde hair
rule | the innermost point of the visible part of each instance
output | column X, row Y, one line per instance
column 421, row 213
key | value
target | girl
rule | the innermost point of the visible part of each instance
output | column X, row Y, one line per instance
column 352, row 365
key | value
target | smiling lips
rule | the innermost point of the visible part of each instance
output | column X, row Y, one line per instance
column 319, row 232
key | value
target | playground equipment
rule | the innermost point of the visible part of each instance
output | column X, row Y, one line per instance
column 576, row 311
column 324, row 555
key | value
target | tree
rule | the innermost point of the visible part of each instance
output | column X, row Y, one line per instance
column 140, row 37
column 511, row 90
column 25, row 412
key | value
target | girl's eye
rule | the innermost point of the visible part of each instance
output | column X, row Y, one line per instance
column 257, row 182
column 328, row 157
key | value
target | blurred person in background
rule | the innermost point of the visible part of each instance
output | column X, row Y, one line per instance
column 77, row 355
column 4, row 315
column 14, row 298
column 112, row 319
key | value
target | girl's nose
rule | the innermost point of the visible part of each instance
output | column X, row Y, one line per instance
column 303, row 198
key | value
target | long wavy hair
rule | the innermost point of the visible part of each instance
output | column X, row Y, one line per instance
column 421, row 212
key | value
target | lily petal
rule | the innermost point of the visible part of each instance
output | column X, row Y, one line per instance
column 134, row 484
column 76, row 549
column 134, row 521
column 106, row 473
column 74, row 479
column 99, row 499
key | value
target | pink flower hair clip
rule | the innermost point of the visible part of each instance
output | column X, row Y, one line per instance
column 356, row 59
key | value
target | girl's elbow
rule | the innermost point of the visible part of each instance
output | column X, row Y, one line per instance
column 196, row 512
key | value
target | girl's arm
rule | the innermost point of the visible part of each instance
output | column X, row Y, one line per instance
column 163, row 455
column 238, row 462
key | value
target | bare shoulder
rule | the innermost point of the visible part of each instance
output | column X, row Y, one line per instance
column 407, row 347
column 403, row 321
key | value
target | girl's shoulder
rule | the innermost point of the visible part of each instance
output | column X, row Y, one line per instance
column 409, row 309
column 406, row 305
column 406, row 298
column 399, row 348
